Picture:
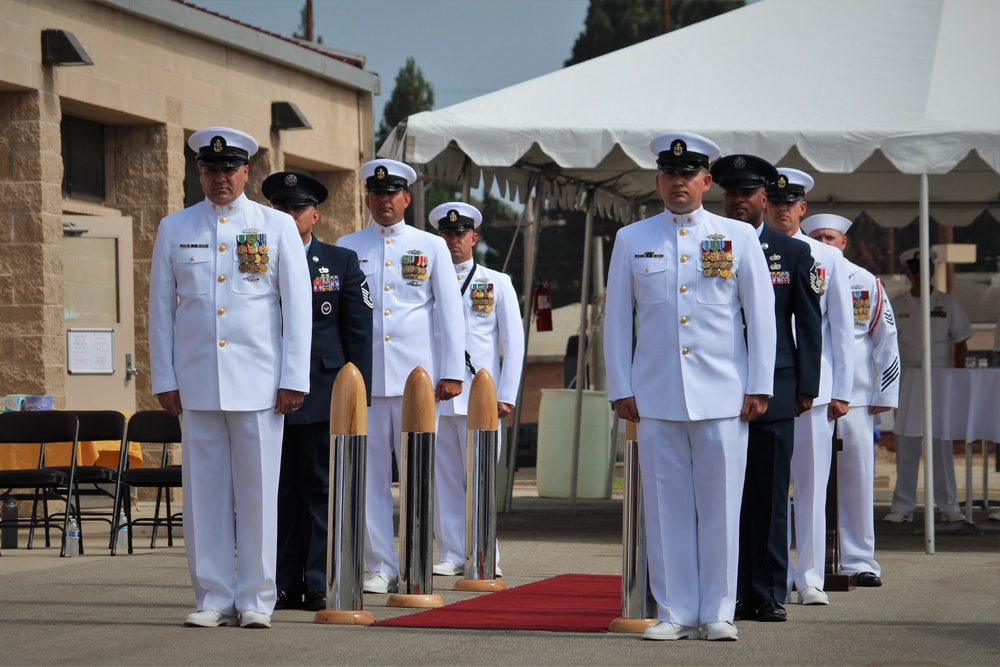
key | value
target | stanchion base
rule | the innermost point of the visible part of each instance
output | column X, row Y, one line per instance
column 840, row 582
column 343, row 617
column 633, row 625
column 431, row 601
column 480, row 585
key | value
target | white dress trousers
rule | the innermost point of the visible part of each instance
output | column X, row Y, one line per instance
column 813, row 448
column 240, row 451
column 487, row 333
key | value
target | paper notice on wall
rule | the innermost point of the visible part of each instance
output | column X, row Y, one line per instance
column 90, row 351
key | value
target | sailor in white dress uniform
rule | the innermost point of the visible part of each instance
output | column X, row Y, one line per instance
column 876, row 390
column 694, row 381
column 229, row 338
column 410, row 274
column 492, row 326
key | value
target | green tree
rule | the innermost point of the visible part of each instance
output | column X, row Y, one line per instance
column 614, row 24
column 412, row 94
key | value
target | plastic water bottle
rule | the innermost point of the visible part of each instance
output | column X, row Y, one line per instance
column 8, row 524
column 121, row 539
column 72, row 539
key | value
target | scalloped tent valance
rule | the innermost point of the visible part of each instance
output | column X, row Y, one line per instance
column 864, row 95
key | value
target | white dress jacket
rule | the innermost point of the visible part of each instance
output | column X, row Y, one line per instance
column 691, row 359
column 492, row 324
column 227, row 339
column 410, row 272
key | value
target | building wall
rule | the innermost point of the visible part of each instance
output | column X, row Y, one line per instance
column 151, row 86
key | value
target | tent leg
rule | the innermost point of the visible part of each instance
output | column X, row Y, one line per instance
column 925, row 354
column 581, row 356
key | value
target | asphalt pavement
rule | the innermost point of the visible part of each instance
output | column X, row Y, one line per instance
column 939, row 609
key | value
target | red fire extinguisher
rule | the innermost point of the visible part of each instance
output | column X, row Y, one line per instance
column 542, row 298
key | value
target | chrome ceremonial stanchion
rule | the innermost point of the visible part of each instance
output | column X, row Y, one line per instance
column 416, row 495
column 346, row 514
column 638, row 608
column 480, row 488
column 835, row 578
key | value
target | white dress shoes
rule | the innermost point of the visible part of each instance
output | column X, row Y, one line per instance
column 254, row 619
column 723, row 631
column 380, row 582
column 813, row 595
column 448, row 569
column 952, row 517
column 898, row 517
column 664, row 631
column 208, row 618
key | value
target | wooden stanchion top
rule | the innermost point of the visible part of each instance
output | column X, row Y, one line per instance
column 418, row 403
column 631, row 431
column 349, row 403
column 482, row 413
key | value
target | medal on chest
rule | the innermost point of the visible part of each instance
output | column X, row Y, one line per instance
column 862, row 304
column 324, row 282
column 483, row 299
column 415, row 266
column 251, row 248
column 821, row 279
column 717, row 257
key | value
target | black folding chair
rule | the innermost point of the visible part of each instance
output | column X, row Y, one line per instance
column 39, row 428
column 95, row 480
column 153, row 427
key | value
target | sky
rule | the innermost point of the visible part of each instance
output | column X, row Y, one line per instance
column 465, row 48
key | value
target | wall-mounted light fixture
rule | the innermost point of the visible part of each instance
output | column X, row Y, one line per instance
column 286, row 116
column 60, row 47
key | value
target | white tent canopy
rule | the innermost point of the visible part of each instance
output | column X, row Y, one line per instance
column 864, row 95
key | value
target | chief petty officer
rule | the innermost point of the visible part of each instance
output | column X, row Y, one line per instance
column 341, row 334
column 492, row 324
column 692, row 385
column 229, row 346
column 410, row 273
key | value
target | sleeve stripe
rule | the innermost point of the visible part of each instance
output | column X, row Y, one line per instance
column 891, row 374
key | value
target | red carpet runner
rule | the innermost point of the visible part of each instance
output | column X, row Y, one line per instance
column 567, row 603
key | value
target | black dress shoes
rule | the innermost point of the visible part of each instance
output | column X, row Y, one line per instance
column 868, row 579
column 315, row 601
column 771, row 611
column 287, row 601
column 745, row 611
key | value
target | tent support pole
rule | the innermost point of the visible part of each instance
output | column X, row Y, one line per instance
column 581, row 346
column 925, row 354
column 536, row 214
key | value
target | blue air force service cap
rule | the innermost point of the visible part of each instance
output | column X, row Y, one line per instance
column 293, row 188
column 222, row 147
column 386, row 175
column 911, row 259
column 455, row 216
column 837, row 223
column 790, row 185
column 743, row 172
column 683, row 151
